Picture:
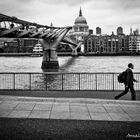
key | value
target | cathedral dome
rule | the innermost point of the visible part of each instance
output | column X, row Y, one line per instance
column 80, row 19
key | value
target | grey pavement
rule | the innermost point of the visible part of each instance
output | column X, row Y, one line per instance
column 69, row 108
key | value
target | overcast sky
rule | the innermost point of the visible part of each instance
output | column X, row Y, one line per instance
column 107, row 14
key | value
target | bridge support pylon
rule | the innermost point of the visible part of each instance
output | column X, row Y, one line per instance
column 50, row 59
column 74, row 52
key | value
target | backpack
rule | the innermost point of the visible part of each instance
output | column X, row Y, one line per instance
column 121, row 77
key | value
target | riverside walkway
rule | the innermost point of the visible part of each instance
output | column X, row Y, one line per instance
column 62, row 107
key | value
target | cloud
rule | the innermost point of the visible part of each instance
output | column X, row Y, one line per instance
column 24, row 1
column 107, row 14
column 13, row 7
column 66, row 2
column 126, row 4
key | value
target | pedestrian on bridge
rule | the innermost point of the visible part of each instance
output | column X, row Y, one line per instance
column 128, row 82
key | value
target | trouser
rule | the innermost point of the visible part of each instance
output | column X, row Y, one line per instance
column 126, row 91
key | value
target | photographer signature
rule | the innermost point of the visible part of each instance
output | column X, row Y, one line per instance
column 133, row 136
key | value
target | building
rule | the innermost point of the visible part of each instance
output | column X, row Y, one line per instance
column 98, row 31
column 113, row 43
column 90, row 31
column 106, row 43
column 95, row 44
column 123, row 43
column 136, row 32
column 9, row 45
column 134, row 43
column 119, row 31
column 27, row 45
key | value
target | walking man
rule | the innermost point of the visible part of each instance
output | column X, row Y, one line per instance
column 129, row 79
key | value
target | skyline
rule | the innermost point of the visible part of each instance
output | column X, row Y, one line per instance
column 107, row 14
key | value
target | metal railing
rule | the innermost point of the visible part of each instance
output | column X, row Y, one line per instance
column 63, row 81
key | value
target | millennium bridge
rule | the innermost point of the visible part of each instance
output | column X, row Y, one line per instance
column 49, row 37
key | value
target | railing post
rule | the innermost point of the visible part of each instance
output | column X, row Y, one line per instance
column 138, row 78
column 29, row 81
column 46, row 81
column 62, row 82
column 113, row 81
column 79, row 81
column 14, row 81
column 96, row 80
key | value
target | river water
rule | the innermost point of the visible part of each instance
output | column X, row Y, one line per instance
column 71, row 64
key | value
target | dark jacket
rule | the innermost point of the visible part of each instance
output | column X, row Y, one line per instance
column 129, row 79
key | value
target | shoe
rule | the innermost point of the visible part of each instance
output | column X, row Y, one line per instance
column 116, row 97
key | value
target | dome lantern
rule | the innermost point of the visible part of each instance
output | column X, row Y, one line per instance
column 80, row 12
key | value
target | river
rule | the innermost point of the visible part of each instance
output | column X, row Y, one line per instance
column 71, row 64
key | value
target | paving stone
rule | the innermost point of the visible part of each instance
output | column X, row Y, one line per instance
column 60, row 108
column 75, row 108
column 95, row 109
column 4, row 112
column 60, row 115
column 100, row 116
column 80, row 116
column 77, row 104
column 62, row 100
column 120, row 117
column 25, row 106
column 46, row 106
column 115, row 109
column 19, row 114
column 60, row 104
column 11, row 102
column 39, row 114
column 131, row 109
column 77, row 101
column 134, row 117
column 9, row 105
